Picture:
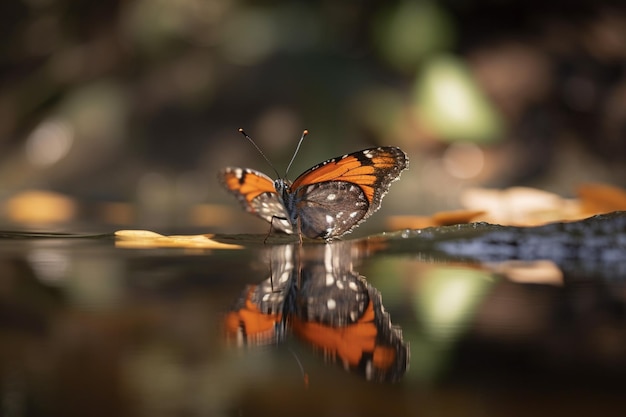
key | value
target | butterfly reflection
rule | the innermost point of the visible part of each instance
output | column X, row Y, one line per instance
column 317, row 296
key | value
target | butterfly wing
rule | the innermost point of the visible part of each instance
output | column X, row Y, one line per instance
column 335, row 196
column 247, row 324
column 343, row 316
column 259, row 317
column 257, row 195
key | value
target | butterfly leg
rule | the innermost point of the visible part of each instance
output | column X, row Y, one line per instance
column 272, row 227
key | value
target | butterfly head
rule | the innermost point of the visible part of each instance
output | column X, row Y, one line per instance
column 282, row 186
column 288, row 200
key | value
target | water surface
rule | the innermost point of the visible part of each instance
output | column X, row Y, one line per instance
column 365, row 327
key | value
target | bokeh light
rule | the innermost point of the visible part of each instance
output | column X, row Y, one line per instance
column 98, row 97
column 450, row 103
column 49, row 143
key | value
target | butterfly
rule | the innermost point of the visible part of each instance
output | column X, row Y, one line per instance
column 326, row 201
column 333, row 309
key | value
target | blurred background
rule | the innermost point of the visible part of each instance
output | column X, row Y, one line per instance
column 119, row 113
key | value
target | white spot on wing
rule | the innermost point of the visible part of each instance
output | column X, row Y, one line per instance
column 330, row 280
column 284, row 277
column 331, row 196
column 369, row 370
column 328, row 258
column 331, row 304
column 329, row 219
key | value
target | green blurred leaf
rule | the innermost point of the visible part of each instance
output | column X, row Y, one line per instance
column 410, row 32
column 452, row 105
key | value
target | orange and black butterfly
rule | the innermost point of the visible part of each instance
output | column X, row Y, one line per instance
column 333, row 309
column 326, row 201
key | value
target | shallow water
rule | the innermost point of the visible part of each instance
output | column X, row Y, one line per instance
column 89, row 328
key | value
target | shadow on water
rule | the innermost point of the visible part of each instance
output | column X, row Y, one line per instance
column 495, row 321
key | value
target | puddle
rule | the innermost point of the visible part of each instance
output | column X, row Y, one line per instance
column 442, row 322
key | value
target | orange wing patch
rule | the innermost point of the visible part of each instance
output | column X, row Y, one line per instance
column 250, row 184
column 348, row 342
column 251, row 323
column 384, row 357
column 335, row 171
column 371, row 169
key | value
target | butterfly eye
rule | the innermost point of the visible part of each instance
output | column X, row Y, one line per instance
column 279, row 185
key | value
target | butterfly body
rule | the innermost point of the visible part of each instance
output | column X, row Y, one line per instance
column 326, row 201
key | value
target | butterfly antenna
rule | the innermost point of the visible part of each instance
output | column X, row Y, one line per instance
column 304, row 133
column 260, row 151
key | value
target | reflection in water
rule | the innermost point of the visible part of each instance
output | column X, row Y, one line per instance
column 91, row 330
column 327, row 304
